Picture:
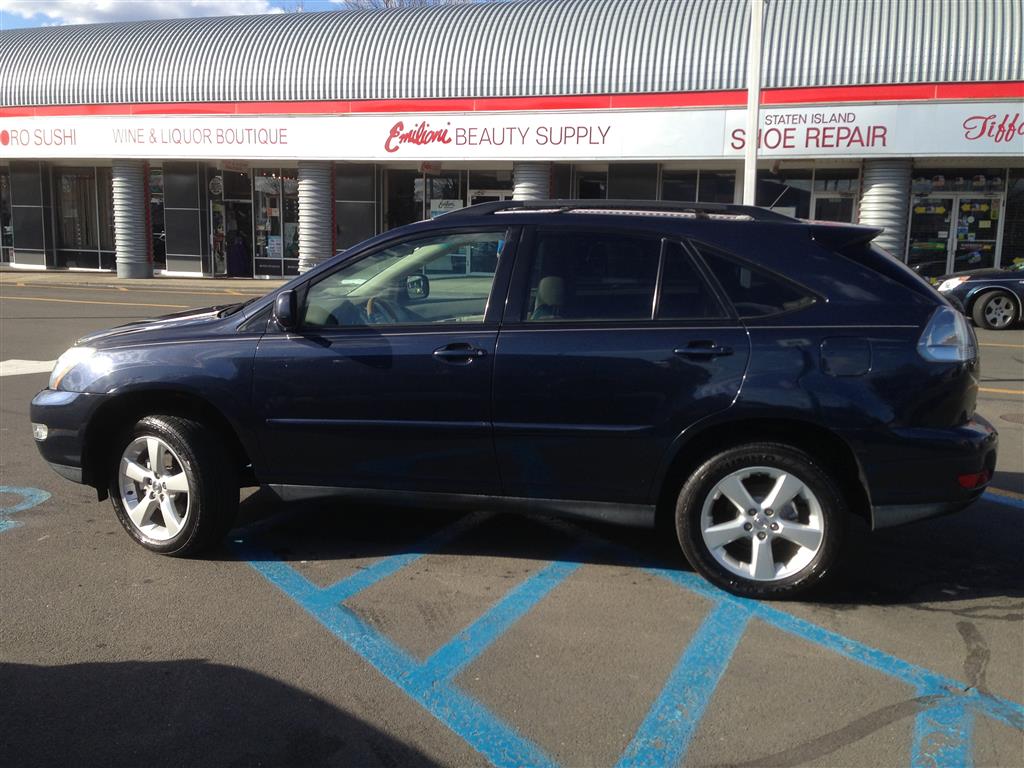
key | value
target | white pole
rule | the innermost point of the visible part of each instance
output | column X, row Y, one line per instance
column 753, row 101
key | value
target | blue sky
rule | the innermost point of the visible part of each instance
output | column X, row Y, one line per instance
column 37, row 13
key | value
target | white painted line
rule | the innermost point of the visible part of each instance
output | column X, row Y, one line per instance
column 19, row 367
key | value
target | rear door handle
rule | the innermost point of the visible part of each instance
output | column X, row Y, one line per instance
column 703, row 349
column 459, row 353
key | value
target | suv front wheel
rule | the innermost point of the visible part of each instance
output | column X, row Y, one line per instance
column 761, row 520
column 172, row 487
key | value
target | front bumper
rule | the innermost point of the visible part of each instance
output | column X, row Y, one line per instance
column 66, row 416
column 914, row 473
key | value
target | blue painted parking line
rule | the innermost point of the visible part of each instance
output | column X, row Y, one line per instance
column 428, row 683
column 30, row 497
column 943, row 729
column 998, row 498
column 665, row 733
column 942, row 736
column 471, row 642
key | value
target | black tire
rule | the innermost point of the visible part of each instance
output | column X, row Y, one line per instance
column 986, row 311
column 213, row 486
column 701, row 485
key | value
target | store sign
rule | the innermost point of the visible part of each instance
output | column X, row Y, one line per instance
column 910, row 129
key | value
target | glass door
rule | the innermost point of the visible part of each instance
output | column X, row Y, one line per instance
column 953, row 233
column 930, row 217
column 977, row 231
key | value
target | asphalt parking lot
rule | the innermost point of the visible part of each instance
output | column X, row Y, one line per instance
column 331, row 634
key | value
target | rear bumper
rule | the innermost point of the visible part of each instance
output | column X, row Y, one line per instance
column 66, row 416
column 915, row 473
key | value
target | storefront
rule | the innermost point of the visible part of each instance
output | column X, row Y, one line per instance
column 225, row 172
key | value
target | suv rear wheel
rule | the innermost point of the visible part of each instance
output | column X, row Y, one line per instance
column 172, row 487
column 761, row 520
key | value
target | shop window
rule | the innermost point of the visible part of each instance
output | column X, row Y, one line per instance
column 76, row 209
column 276, row 222
column 787, row 191
column 355, row 203
column 105, row 207
column 591, row 185
column 835, row 194
column 633, row 181
column 679, row 185
column 930, row 181
column 444, row 192
column 6, row 229
column 156, row 217
column 561, row 182
column 716, row 187
column 1013, row 227
column 404, row 197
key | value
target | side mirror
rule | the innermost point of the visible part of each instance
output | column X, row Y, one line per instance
column 417, row 287
column 286, row 311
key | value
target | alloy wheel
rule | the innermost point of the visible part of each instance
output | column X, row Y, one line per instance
column 999, row 311
column 154, row 488
column 762, row 524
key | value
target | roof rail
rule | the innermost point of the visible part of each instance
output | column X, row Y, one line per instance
column 700, row 210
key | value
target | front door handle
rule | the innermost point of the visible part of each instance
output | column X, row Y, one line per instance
column 703, row 349
column 459, row 353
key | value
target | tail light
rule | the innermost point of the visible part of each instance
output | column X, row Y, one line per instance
column 948, row 338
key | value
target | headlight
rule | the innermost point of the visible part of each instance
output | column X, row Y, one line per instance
column 67, row 361
column 953, row 282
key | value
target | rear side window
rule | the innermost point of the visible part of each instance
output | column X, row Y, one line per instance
column 685, row 295
column 601, row 276
column 752, row 292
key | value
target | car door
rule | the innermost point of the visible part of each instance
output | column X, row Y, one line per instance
column 387, row 382
column 612, row 344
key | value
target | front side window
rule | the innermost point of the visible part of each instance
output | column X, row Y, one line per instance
column 753, row 293
column 588, row 276
column 439, row 279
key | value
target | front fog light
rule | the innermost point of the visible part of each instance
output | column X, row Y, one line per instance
column 39, row 431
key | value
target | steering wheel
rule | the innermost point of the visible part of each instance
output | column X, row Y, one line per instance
column 376, row 307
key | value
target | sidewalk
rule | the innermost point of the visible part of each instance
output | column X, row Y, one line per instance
column 241, row 285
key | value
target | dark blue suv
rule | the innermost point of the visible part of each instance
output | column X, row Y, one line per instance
column 749, row 379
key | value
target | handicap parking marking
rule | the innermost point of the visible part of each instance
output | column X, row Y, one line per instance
column 943, row 728
column 1001, row 498
column 428, row 683
column 30, row 497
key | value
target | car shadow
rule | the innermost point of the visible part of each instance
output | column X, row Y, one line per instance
column 187, row 712
column 955, row 561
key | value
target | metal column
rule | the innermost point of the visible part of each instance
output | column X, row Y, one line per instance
column 885, row 202
column 131, row 211
column 531, row 181
column 316, row 214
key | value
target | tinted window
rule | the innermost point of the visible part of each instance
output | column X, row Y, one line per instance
column 684, row 293
column 592, row 276
column 440, row 279
column 752, row 292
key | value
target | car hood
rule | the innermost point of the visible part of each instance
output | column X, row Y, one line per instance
column 157, row 327
column 987, row 272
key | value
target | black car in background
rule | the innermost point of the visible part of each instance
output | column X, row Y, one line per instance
column 750, row 380
column 993, row 298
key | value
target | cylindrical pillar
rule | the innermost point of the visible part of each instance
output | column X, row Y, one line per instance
column 885, row 202
column 131, row 209
column 316, row 214
column 531, row 181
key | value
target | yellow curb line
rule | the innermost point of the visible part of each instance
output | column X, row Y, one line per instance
column 105, row 303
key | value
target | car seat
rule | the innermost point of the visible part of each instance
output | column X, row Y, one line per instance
column 550, row 298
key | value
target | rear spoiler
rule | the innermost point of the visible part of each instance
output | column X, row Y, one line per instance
column 838, row 237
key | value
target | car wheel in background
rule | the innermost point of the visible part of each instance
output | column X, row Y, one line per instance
column 172, row 486
column 761, row 520
column 995, row 310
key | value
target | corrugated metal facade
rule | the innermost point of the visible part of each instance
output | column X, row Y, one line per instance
column 539, row 48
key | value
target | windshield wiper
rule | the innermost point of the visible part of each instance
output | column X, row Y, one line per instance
column 236, row 307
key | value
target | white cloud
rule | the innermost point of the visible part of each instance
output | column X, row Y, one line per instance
column 98, row 11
